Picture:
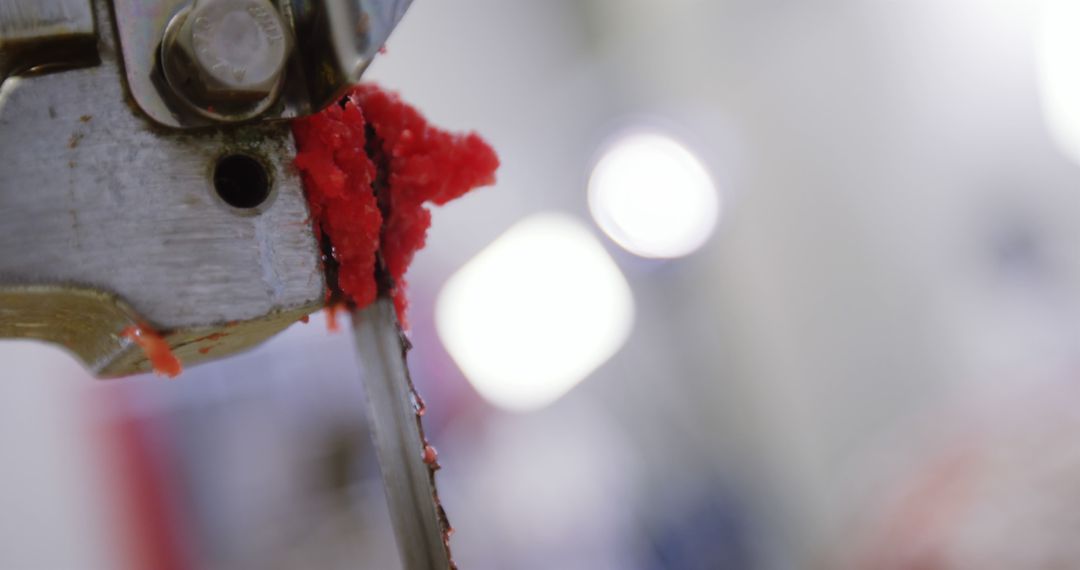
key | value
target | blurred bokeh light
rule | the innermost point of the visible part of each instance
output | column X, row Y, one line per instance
column 535, row 313
column 652, row 196
column 1059, row 77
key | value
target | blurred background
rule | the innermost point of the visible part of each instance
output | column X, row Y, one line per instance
column 763, row 284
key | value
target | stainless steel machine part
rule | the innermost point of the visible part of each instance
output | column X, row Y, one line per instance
column 108, row 221
column 335, row 41
column 394, row 410
column 226, row 58
column 45, row 34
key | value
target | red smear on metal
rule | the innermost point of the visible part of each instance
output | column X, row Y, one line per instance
column 212, row 337
column 155, row 348
column 337, row 177
column 430, row 454
column 331, row 317
column 411, row 162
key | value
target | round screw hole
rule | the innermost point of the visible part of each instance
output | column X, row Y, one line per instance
column 242, row 181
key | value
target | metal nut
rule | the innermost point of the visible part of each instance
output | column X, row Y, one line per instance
column 227, row 52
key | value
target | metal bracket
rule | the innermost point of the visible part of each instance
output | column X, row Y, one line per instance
column 41, row 35
column 106, row 220
column 335, row 42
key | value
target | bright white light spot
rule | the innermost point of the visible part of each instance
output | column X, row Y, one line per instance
column 535, row 313
column 652, row 196
column 1059, row 72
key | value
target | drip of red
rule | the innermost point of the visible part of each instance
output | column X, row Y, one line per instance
column 430, row 457
column 156, row 349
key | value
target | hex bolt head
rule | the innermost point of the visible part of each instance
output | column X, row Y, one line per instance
column 226, row 52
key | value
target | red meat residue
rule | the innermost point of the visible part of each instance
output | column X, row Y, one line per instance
column 370, row 165
column 430, row 454
column 155, row 348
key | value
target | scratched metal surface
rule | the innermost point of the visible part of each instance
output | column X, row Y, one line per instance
column 45, row 33
column 335, row 42
column 93, row 195
column 420, row 524
column 22, row 18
